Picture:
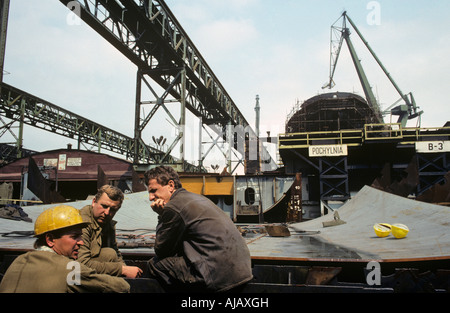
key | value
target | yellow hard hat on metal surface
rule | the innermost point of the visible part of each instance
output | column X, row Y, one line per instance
column 382, row 229
column 58, row 217
column 399, row 230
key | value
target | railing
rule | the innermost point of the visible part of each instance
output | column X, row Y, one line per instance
column 356, row 137
column 383, row 131
column 351, row 137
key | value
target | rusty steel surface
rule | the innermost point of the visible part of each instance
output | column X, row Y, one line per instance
column 438, row 193
column 355, row 240
column 428, row 223
column 294, row 213
column 277, row 230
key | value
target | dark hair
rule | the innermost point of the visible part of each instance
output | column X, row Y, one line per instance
column 41, row 240
column 163, row 174
column 114, row 193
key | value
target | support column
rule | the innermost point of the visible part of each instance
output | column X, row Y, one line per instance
column 182, row 123
column 4, row 27
column 19, row 143
column 333, row 177
column 230, row 138
column 200, row 144
column 137, row 117
column 432, row 168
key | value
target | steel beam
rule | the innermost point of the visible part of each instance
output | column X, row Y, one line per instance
column 333, row 176
column 148, row 34
column 432, row 169
column 4, row 12
column 16, row 104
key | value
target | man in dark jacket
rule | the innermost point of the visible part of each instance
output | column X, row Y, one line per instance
column 197, row 245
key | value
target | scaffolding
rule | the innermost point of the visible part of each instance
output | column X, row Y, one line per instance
column 331, row 112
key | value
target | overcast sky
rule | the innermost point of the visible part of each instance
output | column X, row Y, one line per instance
column 277, row 49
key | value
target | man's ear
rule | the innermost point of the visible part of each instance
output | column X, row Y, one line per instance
column 171, row 184
column 50, row 240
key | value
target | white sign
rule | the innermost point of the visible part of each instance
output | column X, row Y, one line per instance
column 73, row 161
column 327, row 150
column 432, row 146
column 51, row 162
column 62, row 162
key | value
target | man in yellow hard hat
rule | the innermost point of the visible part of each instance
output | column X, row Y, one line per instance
column 52, row 266
column 100, row 250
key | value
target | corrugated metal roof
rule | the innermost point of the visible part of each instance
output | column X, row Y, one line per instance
column 71, row 165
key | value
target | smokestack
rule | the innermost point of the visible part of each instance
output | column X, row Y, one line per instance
column 257, row 116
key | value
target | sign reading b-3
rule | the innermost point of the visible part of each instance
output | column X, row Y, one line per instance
column 433, row 146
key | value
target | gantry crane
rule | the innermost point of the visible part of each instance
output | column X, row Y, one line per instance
column 406, row 111
column 150, row 36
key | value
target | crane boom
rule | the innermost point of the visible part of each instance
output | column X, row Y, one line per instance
column 406, row 111
column 370, row 97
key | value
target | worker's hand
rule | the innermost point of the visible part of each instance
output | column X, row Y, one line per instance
column 131, row 271
column 158, row 205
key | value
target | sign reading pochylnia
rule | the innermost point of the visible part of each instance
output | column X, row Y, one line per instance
column 327, row 150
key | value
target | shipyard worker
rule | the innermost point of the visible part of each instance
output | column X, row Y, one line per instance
column 197, row 246
column 52, row 266
column 100, row 250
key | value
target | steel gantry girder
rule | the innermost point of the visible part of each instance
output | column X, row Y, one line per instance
column 25, row 108
column 148, row 34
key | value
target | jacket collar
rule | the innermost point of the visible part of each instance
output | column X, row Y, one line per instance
column 176, row 192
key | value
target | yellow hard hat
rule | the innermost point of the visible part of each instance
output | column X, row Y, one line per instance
column 399, row 230
column 382, row 229
column 58, row 217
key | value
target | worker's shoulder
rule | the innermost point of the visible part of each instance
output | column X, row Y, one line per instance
column 86, row 213
column 46, row 256
column 184, row 198
column 184, row 195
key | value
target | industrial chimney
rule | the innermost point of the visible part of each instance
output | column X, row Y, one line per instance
column 257, row 108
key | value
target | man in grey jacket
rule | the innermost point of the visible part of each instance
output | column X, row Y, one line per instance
column 197, row 245
column 52, row 267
